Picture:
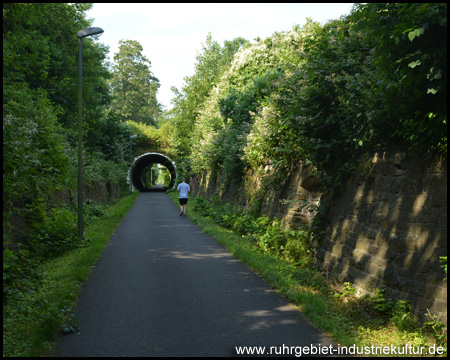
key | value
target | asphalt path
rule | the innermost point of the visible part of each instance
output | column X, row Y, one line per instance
column 162, row 287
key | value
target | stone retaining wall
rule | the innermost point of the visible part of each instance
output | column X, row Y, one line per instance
column 386, row 229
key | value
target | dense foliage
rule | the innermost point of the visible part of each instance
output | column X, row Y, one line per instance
column 290, row 244
column 321, row 94
column 211, row 63
column 40, row 117
column 325, row 94
column 409, row 42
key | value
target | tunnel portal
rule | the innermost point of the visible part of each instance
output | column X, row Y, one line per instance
column 142, row 162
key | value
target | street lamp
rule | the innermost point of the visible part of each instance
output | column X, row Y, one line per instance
column 81, row 34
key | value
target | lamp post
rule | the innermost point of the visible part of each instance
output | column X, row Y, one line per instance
column 81, row 34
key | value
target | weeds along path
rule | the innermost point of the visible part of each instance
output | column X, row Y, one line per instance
column 162, row 287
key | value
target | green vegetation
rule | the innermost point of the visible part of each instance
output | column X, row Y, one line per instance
column 134, row 86
column 40, row 117
column 150, row 138
column 348, row 319
column 40, row 133
column 270, row 236
column 325, row 95
column 42, row 307
column 40, row 108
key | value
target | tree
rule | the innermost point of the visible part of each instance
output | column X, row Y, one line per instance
column 409, row 42
column 212, row 62
column 134, row 86
column 40, row 77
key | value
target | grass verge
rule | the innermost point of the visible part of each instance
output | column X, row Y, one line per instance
column 347, row 319
column 35, row 316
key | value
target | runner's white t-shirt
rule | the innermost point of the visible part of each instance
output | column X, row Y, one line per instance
column 184, row 190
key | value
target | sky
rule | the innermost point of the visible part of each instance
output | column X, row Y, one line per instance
column 172, row 34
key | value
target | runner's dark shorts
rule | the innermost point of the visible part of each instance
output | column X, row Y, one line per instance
column 183, row 201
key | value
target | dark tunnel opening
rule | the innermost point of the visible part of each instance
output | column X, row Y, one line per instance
column 146, row 160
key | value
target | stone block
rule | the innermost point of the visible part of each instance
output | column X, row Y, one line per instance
column 436, row 307
column 374, row 269
column 363, row 244
column 381, row 168
column 410, row 286
column 435, row 292
column 390, row 276
column 371, row 282
column 417, row 240
column 395, row 171
column 382, row 238
column 356, row 276
column 381, row 213
column 439, row 198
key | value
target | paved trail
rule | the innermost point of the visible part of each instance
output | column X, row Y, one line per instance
column 162, row 287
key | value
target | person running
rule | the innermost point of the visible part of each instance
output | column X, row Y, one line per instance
column 184, row 191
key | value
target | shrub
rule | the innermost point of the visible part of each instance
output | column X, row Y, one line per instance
column 292, row 244
column 56, row 234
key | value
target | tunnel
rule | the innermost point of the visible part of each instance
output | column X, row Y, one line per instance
column 142, row 162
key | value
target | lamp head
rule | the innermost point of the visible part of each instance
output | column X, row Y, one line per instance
column 89, row 32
